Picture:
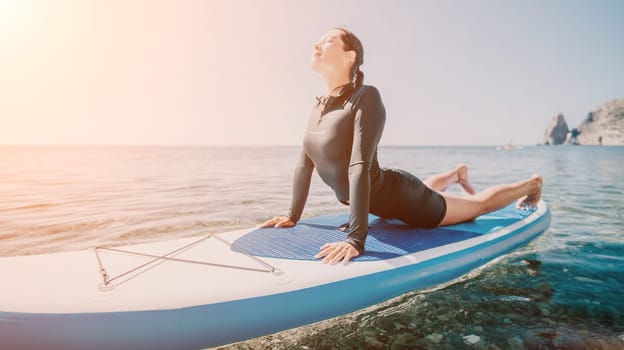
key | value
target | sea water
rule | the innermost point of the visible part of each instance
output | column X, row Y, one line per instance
column 562, row 290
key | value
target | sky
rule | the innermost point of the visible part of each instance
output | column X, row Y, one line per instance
column 153, row 72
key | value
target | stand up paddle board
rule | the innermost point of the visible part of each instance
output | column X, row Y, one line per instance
column 222, row 288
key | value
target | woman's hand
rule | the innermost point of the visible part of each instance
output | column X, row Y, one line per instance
column 278, row 221
column 336, row 251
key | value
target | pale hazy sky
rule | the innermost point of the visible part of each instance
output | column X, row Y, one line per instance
column 238, row 72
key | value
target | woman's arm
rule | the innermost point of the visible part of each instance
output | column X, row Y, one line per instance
column 301, row 186
column 368, row 125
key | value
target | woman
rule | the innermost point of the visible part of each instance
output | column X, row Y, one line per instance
column 341, row 142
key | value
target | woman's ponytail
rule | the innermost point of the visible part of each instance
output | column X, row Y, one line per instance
column 351, row 42
column 359, row 78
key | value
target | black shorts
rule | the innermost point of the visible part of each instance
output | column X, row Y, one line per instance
column 405, row 197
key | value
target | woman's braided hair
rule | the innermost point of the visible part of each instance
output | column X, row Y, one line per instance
column 351, row 42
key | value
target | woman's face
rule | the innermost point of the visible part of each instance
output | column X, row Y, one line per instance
column 328, row 54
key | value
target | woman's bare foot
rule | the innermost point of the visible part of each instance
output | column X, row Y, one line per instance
column 459, row 175
column 462, row 178
column 535, row 194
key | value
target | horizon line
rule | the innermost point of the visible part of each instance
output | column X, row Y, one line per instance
column 248, row 145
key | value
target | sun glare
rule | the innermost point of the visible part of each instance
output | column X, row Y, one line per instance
column 13, row 15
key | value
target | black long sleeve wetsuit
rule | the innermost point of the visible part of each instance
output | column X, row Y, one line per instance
column 341, row 142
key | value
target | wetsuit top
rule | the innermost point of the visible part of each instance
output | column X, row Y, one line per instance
column 341, row 142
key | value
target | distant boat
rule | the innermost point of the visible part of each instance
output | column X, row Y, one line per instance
column 508, row 146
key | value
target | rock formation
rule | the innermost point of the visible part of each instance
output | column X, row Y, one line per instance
column 557, row 132
column 604, row 125
column 571, row 139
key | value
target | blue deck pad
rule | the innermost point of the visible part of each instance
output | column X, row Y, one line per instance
column 493, row 221
column 386, row 238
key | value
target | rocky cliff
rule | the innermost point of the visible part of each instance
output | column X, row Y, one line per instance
column 604, row 124
column 557, row 132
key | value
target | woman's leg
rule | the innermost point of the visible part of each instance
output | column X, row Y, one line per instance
column 440, row 182
column 458, row 210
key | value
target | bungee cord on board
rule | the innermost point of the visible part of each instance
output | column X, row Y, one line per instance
column 107, row 284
